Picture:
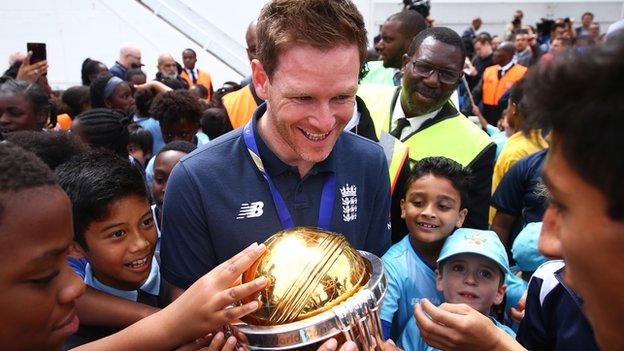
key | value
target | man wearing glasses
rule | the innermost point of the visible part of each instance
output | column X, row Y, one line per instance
column 129, row 57
column 420, row 114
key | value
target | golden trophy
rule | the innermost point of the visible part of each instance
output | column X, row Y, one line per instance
column 319, row 287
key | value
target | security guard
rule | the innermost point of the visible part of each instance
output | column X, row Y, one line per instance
column 420, row 114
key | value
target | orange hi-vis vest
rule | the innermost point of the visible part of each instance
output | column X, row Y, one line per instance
column 494, row 88
column 203, row 79
column 240, row 106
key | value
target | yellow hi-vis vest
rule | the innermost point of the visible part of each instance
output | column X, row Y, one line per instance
column 454, row 137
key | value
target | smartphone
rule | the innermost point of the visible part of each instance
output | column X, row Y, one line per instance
column 38, row 52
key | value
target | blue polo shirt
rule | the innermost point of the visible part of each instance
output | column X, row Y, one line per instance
column 217, row 202
column 518, row 192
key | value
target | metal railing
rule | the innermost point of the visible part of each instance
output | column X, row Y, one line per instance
column 201, row 31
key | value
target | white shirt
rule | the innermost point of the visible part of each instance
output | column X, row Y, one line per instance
column 415, row 122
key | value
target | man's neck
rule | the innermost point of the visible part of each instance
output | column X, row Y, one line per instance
column 280, row 148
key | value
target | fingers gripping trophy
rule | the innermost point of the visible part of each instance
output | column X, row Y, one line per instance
column 320, row 287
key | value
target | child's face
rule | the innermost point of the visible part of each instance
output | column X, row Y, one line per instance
column 165, row 161
column 184, row 130
column 471, row 279
column 431, row 209
column 37, row 286
column 121, row 246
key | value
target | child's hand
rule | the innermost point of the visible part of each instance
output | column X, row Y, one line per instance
column 211, row 342
column 517, row 313
column 332, row 344
column 204, row 307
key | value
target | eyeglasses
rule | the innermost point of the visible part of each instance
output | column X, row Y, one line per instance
column 425, row 70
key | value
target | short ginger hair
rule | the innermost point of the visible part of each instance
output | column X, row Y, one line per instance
column 322, row 24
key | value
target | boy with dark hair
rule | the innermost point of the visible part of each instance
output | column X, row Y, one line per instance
column 433, row 207
column 34, row 273
column 471, row 269
column 114, row 230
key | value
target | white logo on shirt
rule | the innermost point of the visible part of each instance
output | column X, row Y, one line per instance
column 349, row 202
column 251, row 210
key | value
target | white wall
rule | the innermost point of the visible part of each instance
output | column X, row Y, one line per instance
column 76, row 29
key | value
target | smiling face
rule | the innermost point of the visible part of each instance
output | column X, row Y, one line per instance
column 38, row 288
column 421, row 95
column 17, row 113
column 576, row 227
column 431, row 209
column 310, row 99
column 471, row 279
column 120, row 247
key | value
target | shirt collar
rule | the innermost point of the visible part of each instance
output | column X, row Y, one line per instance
column 508, row 66
column 274, row 166
column 151, row 285
column 415, row 121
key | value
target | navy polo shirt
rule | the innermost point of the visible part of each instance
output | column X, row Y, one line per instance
column 217, row 202
column 518, row 193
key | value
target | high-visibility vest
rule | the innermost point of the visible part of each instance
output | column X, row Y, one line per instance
column 396, row 154
column 203, row 79
column 454, row 137
column 240, row 106
column 494, row 88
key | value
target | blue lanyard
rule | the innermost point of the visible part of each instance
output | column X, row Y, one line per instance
column 327, row 197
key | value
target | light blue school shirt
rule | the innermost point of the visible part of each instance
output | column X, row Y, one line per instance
column 410, row 279
column 151, row 285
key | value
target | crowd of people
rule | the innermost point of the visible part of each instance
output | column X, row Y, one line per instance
column 484, row 170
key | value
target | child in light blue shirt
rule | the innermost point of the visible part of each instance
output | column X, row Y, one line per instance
column 471, row 270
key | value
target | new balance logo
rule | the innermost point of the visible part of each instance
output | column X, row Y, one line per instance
column 250, row 210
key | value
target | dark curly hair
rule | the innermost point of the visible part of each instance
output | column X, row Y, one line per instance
column 443, row 167
column 21, row 170
column 53, row 148
column 580, row 99
column 174, row 106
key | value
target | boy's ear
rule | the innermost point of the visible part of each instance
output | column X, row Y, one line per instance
column 403, row 208
column 500, row 294
column 438, row 277
column 76, row 251
column 460, row 219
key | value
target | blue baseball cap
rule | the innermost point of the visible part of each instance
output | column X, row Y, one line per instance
column 524, row 248
column 481, row 242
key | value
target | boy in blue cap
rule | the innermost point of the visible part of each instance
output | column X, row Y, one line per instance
column 471, row 269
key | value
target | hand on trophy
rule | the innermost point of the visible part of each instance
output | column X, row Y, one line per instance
column 210, row 297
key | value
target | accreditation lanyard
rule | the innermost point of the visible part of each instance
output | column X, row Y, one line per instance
column 327, row 197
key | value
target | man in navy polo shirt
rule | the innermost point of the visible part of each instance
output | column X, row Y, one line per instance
column 292, row 164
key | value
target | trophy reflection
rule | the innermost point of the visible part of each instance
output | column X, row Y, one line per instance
column 319, row 287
